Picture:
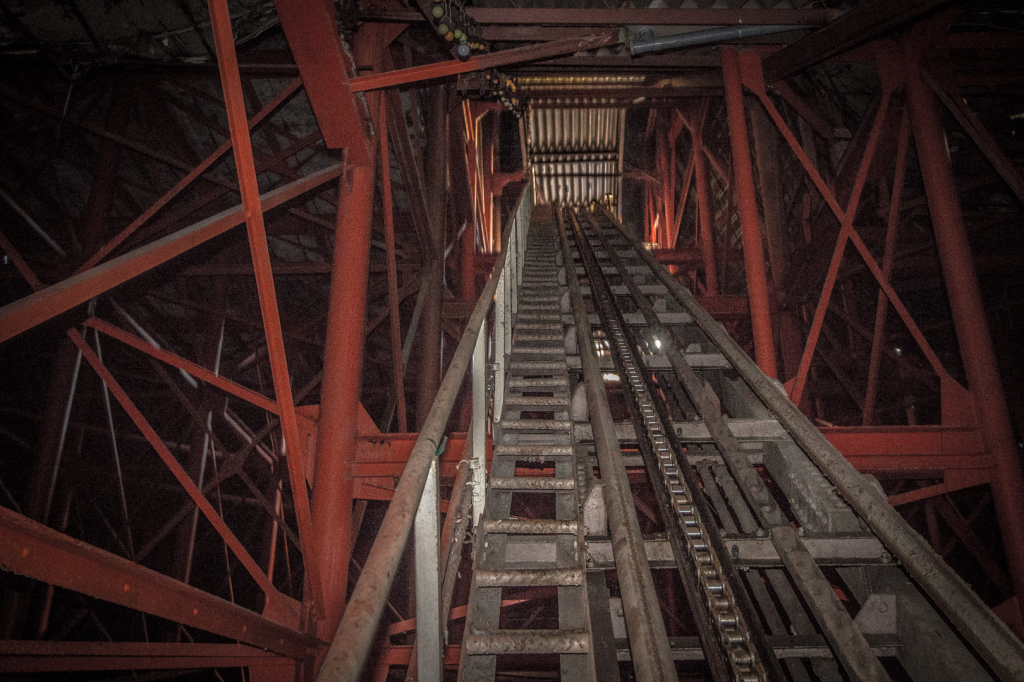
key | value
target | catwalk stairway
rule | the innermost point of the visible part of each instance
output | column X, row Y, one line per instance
column 762, row 553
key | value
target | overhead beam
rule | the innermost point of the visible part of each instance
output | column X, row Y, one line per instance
column 312, row 34
column 626, row 17
column 415, row 74
column 31, row 549
column 36, row 308
column 869, row 21
column 27, row 656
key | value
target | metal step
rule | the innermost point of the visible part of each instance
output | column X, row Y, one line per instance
column 532, row 450
column 538, row 483
column 537, row 401
column 529, row 577
column 528, row 642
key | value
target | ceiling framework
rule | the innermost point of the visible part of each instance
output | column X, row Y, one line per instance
column 169, row 379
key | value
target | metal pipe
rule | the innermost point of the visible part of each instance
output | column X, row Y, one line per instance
column 989, row 635
column 351, row 644
column 753, row 251
column 149, row 339
column 705, row 37
column 648, row 639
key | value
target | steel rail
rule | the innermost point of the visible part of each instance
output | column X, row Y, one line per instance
column 743, row 648
column 850, row 646
column 989, row 635
column 347, row 654
column 648, row 639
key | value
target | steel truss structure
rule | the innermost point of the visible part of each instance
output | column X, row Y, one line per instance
column 363, row 366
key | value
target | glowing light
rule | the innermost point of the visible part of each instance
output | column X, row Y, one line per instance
column 610, row 376
column 657, row 342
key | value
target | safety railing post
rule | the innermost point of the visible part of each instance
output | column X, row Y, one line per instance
column 513, row 266
column 478, row 426
column 428, row 587
column 499, row 345
column 506, row 312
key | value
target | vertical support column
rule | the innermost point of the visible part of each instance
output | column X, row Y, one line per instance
column 339, row 391
column 435, row 176
column 705, row 214
column 753, row 252
column 969, row 316
column 667, row 170
column 459, row 177
column 478, row 429
column 389, row 241
column 428, row 604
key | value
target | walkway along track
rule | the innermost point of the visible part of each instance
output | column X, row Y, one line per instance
column 783, row 577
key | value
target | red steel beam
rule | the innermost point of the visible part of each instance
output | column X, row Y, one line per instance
column 8, row 248
column 910, row 451
column 754, row 80
column 31, row 549
column 705, row 212
column 27, row 656
column 273, row 596
column 516, row 55
column 175, row 361
column 339, row 392
column 343, row 360
column 234, row 103
column 968, row 310
column 389, row 239
column 753, row 251
column 315, row 42
column 881, row 307
column 840, row 248
column 36, row 308
column 282, row 97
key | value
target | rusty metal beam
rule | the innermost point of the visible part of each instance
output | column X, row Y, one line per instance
column 31, row 549
column 192, row 368
column 858, row 26
column 234, row 103
column 31, row 310
column 313, row 37
column 273, row 596
column 393, row 298
column 27, row 656
column 517, row 55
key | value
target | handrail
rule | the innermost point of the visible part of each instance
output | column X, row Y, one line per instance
column 351, row 644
